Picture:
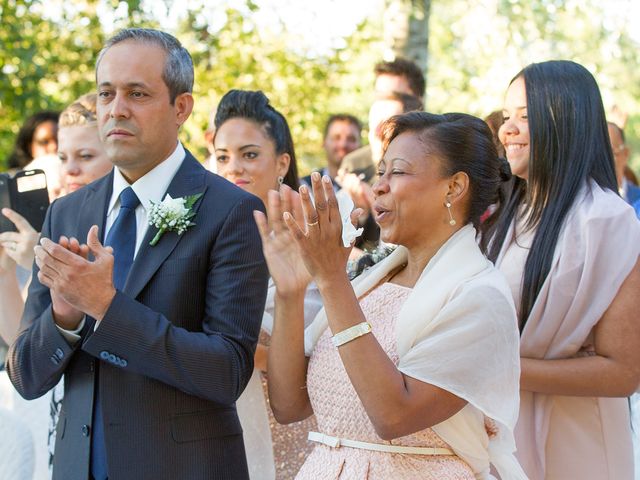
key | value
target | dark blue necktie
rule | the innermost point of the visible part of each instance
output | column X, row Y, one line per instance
column 122, row 238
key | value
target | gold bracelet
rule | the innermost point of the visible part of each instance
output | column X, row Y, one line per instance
column 351, row 333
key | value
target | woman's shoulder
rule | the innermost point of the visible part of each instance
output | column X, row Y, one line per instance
column 598, row 204
column 488, row 291
column 601, row 215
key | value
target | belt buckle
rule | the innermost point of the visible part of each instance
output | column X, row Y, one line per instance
column 333, row 442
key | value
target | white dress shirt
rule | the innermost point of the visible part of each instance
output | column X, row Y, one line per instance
column 150, row 187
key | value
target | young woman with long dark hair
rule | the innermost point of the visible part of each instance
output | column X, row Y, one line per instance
column 569, row 246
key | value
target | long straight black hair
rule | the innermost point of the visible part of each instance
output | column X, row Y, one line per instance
column 568, row 145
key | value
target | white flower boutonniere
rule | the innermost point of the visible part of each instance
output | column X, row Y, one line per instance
column 172, row 215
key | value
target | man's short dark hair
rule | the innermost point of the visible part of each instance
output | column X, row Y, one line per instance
column 178, row 66
column 403, row 67
column 342, row 117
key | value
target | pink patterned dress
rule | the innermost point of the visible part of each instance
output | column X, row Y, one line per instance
column 340, row 413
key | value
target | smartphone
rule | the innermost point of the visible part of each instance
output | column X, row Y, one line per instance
column 26, row 193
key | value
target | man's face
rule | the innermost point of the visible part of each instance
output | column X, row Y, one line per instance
column 342, row 137
column 380, row 111
column 387, row 83
column 137, row 122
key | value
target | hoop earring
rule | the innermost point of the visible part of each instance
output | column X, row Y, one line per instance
column 447, row 204
column 280, row 180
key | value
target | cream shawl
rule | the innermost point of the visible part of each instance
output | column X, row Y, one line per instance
column 597, row 247
column 457, row 330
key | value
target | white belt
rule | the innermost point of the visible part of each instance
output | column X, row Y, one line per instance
column 336, row 442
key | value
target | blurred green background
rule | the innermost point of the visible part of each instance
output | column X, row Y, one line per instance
column 310, row 68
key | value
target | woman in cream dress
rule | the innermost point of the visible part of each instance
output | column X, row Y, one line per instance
column 414, row 368
column 569, row 245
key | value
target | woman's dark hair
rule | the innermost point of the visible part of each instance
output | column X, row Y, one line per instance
column 21, row 154
column 568, row 146
column 464, row 144
column 255, row 106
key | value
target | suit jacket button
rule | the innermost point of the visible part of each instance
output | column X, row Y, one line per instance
column 55, row 360
column 104, row 355
column 86, row 430
column 112, row 359
column 59, row 353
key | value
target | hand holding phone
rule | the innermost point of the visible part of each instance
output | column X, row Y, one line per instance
column 25, row 193
column 19, row 245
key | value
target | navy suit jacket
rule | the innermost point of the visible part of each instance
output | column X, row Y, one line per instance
column 175, row 348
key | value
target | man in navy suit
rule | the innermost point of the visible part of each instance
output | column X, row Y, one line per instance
column 155, row 342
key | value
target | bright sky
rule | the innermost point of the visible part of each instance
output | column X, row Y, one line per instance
column 322, row 23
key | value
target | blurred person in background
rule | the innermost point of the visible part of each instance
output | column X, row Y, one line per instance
column 400, row 76
column 79, row 147
column 342, row 135
column 83, row 160
column 254, row 150
column 38, row 136
column 621, row 154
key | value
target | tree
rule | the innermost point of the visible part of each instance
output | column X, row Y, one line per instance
column 406, row 30
column 477, row 46
column 47, row 63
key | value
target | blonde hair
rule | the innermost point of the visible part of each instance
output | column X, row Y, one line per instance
column 81, row 112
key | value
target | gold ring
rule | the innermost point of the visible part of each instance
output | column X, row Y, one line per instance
column 313, row 224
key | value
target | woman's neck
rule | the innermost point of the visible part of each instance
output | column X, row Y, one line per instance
column 419, row 255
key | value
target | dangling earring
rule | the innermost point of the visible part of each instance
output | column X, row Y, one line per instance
column 447, row 204
column 280, row 180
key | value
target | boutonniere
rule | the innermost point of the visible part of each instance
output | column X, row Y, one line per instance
column 172, row 215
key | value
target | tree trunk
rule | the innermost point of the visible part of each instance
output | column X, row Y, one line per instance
column 406, row 30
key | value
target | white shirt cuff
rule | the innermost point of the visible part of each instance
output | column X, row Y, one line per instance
column 72, row 336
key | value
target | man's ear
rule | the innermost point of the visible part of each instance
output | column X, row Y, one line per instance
column 184, row 105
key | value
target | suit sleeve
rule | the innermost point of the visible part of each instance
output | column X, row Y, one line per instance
column 40, row 354
column 217, row 362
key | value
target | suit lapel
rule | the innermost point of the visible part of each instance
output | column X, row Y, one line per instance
column 189, row 180
column 96, row 200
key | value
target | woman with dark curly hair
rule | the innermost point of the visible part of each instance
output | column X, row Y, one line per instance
column 414, row 367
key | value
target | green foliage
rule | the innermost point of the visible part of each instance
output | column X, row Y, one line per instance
column 304, row 86
column 46, row 63
column 51, row 62
column 477, row 46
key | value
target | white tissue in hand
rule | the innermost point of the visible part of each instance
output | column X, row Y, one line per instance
column 349, row 232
